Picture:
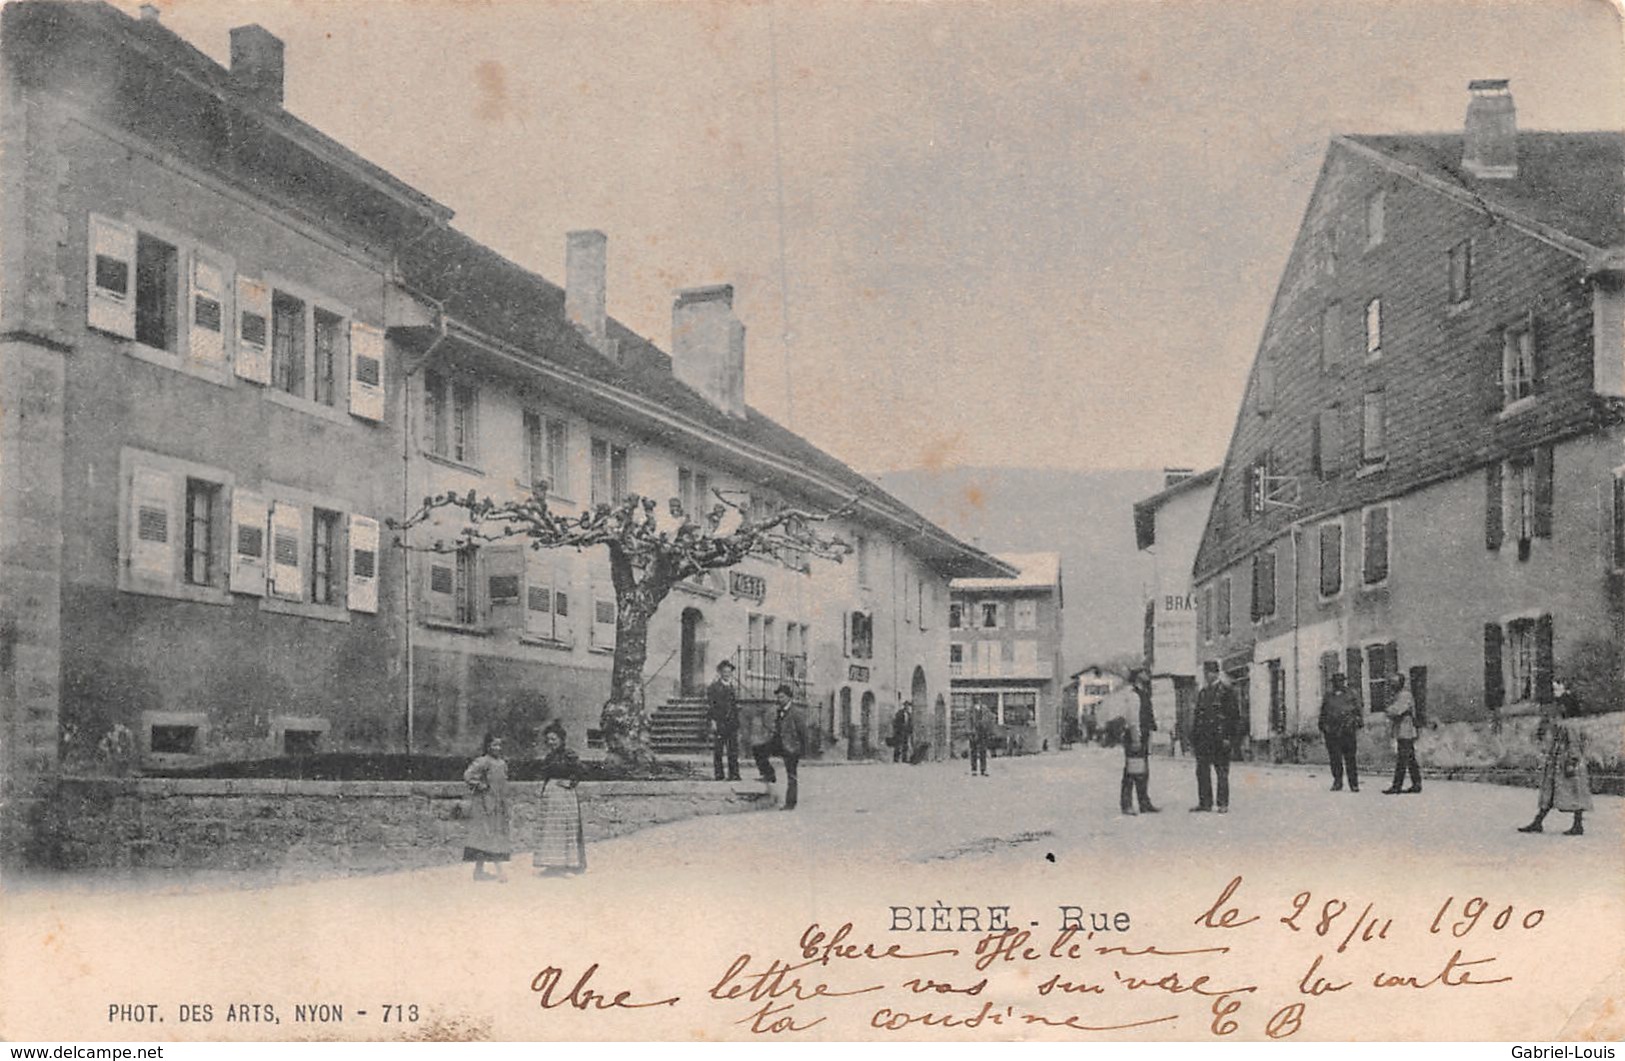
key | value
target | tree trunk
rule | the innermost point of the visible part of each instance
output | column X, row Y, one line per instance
column 624, row 722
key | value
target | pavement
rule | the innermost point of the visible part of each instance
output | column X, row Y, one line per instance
column 661, row 912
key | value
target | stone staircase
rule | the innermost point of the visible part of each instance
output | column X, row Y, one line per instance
column 680, row 727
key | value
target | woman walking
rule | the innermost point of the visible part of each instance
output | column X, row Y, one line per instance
column 1565, row 782
column 488, row 839
column 1401, row 711
column 560, row 847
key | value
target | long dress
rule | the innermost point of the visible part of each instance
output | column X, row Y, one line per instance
column 1565, row 782
column 559, row 840
column 488, row 836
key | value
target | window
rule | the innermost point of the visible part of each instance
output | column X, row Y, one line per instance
column 547, row 598
column 1026, row 614
column 1518, row 661
column 172, row 740
column 955, row 615
column 956, row 659
column 1222, row 607
column 925, row 601
column 157, row 282
column 990, row 615
column 1376, row 209
column 1328, row 251
column 1263, row 584
column 202, row 506
column 546, row 459
column 694, row 491
column 1382, row 663
column 1373, row 329
column 1520, row 477
column 1020, row 708
column 1026, row 657
column 465, row 586
column 1374, row 428
column 1331, row 336
column 558, row 456
column 1519, row 363
column 1460, row 264
column 1521, row 656
column 1374, row 566
column 862, row 549
column 450, row 421
column 332, row 351
column 324, row 557
column 1327, row 430
column 1331, row 559
column 299, row 742
column 288, row 344
column 860, row 638
column 608, row 473
column 603, row 615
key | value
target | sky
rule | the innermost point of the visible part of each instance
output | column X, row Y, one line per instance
column 1013, row 235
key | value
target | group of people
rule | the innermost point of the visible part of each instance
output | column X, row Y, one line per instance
column 560, row 845
column 1214, row 723
column 787, row 740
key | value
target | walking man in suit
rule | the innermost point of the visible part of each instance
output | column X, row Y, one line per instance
column 981, row 734
column 1340, row 722
column 788, row 742
column 722, row 708
column 1216, row 719
column 902, row 732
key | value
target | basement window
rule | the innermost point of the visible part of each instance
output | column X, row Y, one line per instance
column 173, row 740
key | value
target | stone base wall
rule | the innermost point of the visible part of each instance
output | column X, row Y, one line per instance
column 349, row 826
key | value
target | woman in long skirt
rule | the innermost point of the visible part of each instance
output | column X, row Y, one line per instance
column 488, row 837
column 1565, row 781
column 560, row 846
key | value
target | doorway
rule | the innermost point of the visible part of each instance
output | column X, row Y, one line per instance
column 692, row 652
column 867, row 718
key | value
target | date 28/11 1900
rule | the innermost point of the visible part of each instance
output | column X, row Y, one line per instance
column 259, row 1013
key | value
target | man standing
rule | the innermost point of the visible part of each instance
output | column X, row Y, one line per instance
column 1137, row 749
column 1340, row 722
column 1401, row 711
column 1215, row 719
column 981, row 733
column 902, row 732
column 722, row 708
column 789, row 742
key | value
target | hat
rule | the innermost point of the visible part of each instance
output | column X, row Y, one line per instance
column 784, row 687
column 726, row 664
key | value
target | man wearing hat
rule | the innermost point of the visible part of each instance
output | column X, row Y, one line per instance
column 788, row 741
column 722, row 708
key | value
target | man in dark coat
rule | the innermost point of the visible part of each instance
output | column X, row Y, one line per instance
column 1216, row 718
column 980, row 723
column 1340, row 722
column 1137, row 749
column 902, row 732
column 788, row 742
column 722, row 708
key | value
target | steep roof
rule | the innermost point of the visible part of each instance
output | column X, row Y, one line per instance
column 1571, row 182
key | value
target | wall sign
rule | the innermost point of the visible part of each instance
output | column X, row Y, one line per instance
column 855, row 673
column 748, row 587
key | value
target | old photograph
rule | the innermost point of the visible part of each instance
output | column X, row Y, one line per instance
column 812, row 520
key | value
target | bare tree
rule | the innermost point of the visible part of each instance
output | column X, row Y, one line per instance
column 646, row 561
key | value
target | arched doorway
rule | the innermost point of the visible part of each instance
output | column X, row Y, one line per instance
column 692, row 652
column 941, row 749
column 918, row 696
column 867, row 717
column 844, row 721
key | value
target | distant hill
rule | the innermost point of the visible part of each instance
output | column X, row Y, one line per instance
column 1087, row 517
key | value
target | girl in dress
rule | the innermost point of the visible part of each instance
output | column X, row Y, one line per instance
column 1565, row 782
column 488, row 839
column 560, row 847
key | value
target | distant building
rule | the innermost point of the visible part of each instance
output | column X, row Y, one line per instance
column 1168, row 527
column 1086, row 693
column 1005, row 649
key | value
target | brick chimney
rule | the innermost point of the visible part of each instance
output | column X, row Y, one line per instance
column 708, row 346
column 585, row 264
column 256, row 63
column 1489, row 149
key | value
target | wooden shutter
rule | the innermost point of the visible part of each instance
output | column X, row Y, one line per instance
column 440, row 588
column 1494, row 522
column 846, row 633
column 206, row 310
column 249, row 516
column 1331, row 442
column 603, row 615
column 1356, row 673
column 505, row 585
column 1492, row 360
column 287, row 550
column 110, row 277
column 366, row 371
column 1419, row 693
column 1495, row 690
column 253, row 330
column 363, row 585
column 539, row 596
column 1543, row 492
column 1537, row 354
column 1543, row 659
column 152, row 524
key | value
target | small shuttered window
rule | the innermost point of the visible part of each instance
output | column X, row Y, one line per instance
column 363, row 582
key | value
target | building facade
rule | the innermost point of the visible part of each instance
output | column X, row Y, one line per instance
column 1425, row 475
column 232, row 350
column 1005, row 650
column 1168, row 525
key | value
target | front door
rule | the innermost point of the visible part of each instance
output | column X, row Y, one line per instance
column 692, row 651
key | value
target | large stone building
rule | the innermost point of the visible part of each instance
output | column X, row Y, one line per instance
column 1005, row 650
column 1425, row 474
column 231, row 349
column 1168, row 526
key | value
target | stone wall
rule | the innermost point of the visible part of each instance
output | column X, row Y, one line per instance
column 352, row 826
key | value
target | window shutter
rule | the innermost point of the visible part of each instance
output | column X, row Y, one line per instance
column 1543, row 659
column 435, row 413
column 1494, row 678
column 1543, row 492
column 1356, row 674
column 504, row 585
column 603, row 615
column 440, row 589
column 539, row 597
column 110, row 297
column 249, row 513
column 1331, row 442
column 846, row 633
column 366, row 371
column 363, row 589
column 152, row 524
column 1537, row 358
column 287, row 550
column 1390, row 668
column 206, row 314
column 1494, row 526
column 1492, row 374
column 1419, row 693
column 253, row 330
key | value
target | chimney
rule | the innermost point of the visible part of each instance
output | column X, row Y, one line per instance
column 256, row 63
column 1489, row 149
column 708, row 346
column 585, row 262
column 149, row 12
